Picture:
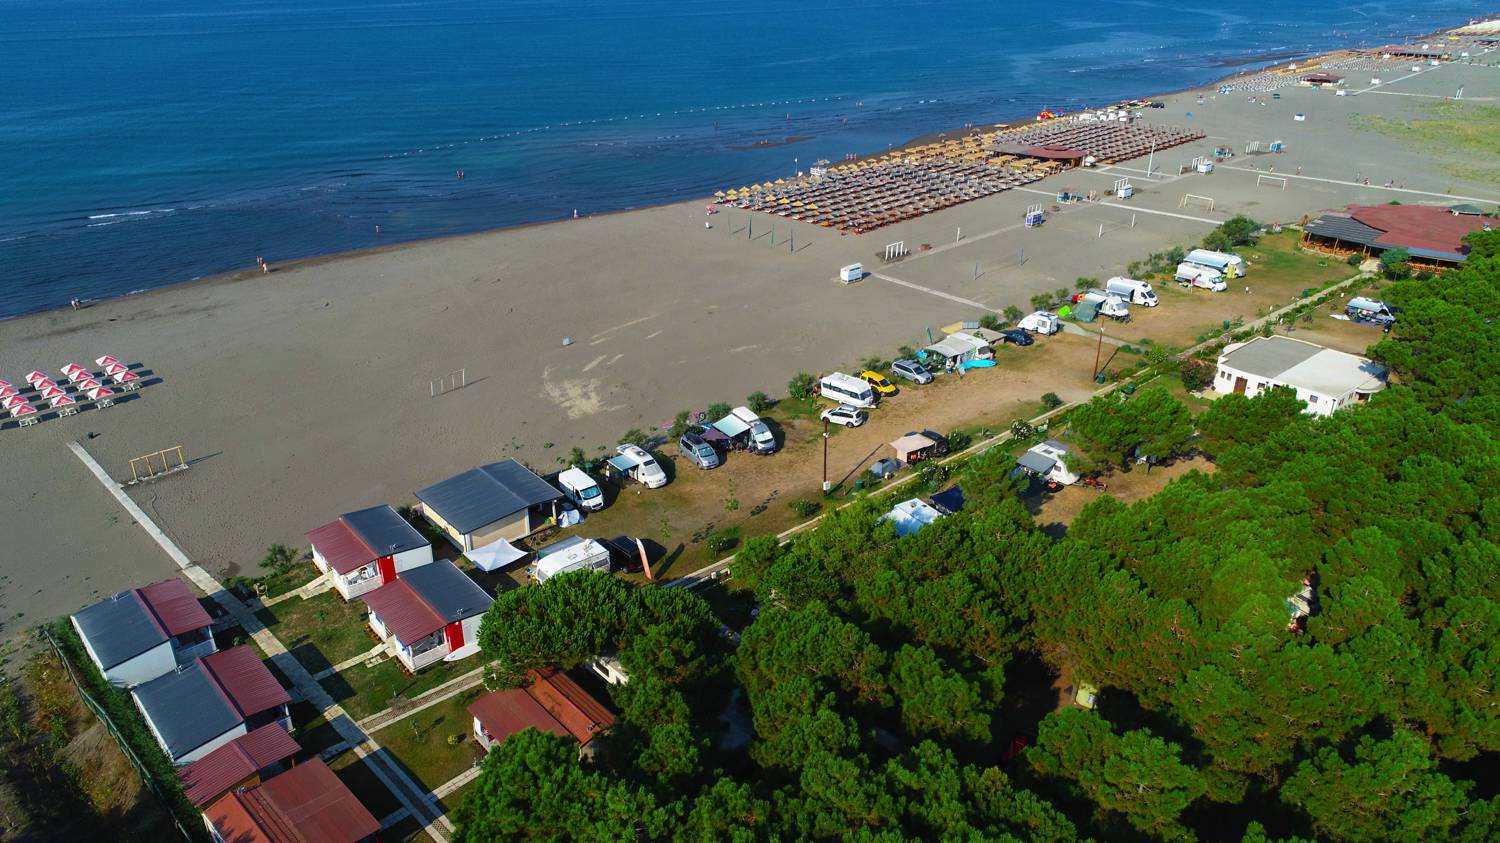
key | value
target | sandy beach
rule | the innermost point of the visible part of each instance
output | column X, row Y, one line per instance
column 306, row 393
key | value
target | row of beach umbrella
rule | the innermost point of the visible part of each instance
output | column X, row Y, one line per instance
column 84, row 382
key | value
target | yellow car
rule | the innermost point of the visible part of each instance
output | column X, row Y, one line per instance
column 880, row 382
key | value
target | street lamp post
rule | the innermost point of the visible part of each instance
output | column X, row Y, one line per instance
column 825, row 456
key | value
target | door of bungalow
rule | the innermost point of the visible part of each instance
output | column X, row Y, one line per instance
column 455, row 635
column 1239, row 386
column 387, row 568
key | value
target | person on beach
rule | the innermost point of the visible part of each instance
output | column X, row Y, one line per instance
column 76, row 303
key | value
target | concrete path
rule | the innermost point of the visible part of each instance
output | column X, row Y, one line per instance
column 408, row 793
column 381, row 719
column 317, row 586
column 371, row 653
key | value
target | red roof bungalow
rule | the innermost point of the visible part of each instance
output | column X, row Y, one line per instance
column 551, row 703
column 306, row 804
column 240, row 763
column 210, row 701
column 366, row 549
column 429, row 614
column 140, row 634
column 1433, row 235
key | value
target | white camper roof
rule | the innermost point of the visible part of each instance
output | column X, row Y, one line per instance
column 911, row 516
column 576, row 478
column 566, row 554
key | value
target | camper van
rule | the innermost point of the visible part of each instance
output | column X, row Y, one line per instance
column 846, row 389
column 1108, row 304
column 744, row 427
column 574, row 553
column 1040, row 322
column 583, row 490
column 636, row 464
column 1230, row 266
column 1369, row 311
column 1133, row 291
column 1193, row 275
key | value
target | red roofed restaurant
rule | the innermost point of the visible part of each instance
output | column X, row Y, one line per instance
column 1433, row 235
column 551, row 703
column 306, row 803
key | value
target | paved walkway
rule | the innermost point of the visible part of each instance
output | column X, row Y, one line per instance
column 381, row 719
column 407, row 792
column 371, row 653
column 322, row 583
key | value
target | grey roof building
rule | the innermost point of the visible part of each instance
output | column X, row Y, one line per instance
column 500, row 500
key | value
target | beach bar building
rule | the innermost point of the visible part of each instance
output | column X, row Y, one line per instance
column 1324, row 379
column 210, row 701
column 550, row 702
column 364, row 550
column 304, row 804
column 1433, row 235
column 502, row 500
column 428, row 614
column 140, row 634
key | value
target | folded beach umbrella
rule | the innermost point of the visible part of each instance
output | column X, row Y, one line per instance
column 87, row 384
column 105, row 361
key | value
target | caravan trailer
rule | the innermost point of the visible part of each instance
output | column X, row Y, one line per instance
column 846, row 389
column 1230, row 266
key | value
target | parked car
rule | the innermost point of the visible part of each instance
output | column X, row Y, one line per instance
column 625, row 554
column 845, row 415
column 1016, row 336
column 938, row 440
column 697, row 450
column 912, row 371
column 880, row 382
column 885, row 468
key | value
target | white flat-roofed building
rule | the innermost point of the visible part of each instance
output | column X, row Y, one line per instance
column 1324, row 379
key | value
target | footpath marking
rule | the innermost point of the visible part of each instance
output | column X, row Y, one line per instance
column 931, row 292
column 408, row 793
column 452, row 687
column 1361, row 184
column 1131, row 208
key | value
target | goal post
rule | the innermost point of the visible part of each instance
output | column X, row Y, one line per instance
column 1205, row 202
column 1278, row 181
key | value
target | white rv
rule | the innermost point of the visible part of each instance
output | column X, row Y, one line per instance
column 638, row 465
column 1133, row 291
column 744, row 426
column 847, row 389
column 1193, row 275
column 1040, row 322
column 581, row 489
column 574, row 553
column 1230, row 266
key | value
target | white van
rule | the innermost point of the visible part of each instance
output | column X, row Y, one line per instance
column 635, row 463
column 758, row 438
column 847, row 389
column 1193, row 275
column 1133, row 291
column 574, row 553
column 1230, row 266
column 583, row 490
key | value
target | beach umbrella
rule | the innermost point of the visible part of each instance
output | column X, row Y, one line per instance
column 73, row 371
column 125, row 377
column 52, row 391
column 105, row 361
column 87, row 384
column 60, row 401
column 22, row 411
column 8, row 391
column 100, row 392
column 114, row 368
column 13, row 402
column 34, row 378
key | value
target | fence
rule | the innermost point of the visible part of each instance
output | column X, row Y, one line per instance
column 135, row 761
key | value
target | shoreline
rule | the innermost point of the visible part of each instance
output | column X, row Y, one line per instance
column 1255, row 64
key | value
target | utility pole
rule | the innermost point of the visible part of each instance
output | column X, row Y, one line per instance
column 1098, row 350
column 1151, row 159
column 825, row 456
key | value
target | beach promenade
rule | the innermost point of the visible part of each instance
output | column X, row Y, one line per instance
column 305, row 393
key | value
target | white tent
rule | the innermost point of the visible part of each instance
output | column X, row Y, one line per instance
column 911, row 516
column 495, row 555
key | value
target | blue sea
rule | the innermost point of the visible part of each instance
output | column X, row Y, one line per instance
column 151, row 142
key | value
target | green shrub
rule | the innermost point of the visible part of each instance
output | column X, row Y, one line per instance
column 1051, row 401
column 800, row 386
column 716, row 410
column 679, row 424
column 279, row 558
column 804, row 507
column 1013, row 314
column 990, row 322
column 723, row 541
column 635, row 436
column 1355, row 259
column 958, row 440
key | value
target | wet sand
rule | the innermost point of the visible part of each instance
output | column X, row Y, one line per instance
column 305, row 393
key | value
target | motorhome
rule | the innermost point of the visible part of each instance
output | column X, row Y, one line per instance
column 847, row 389
column 1193, row 275
column 1230, row 266
column 1133, row 291
column 1108, row 304
column 574, row 553
column 583, row 490
column 636, row 464
column 1040, row 322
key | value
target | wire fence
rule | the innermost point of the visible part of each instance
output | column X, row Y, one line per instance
column 99, row 711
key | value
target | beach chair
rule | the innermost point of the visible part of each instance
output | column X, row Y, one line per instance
column 102, row 396
column 24, row 414
column 126, row 380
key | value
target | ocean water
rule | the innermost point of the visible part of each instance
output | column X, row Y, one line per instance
column 157, row 141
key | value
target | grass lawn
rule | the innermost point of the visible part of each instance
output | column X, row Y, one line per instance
column 450, row 803
column 363, row 691
column 321, row 631
column 314, row 732
column 293, row 578
column 421, row 741
column 1463, row 128
column 356, row 775
column 406, row 831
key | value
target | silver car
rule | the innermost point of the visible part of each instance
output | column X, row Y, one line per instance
column 912, row 371
column 845, row 415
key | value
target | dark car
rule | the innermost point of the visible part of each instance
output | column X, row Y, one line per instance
column 939, row 441
column 625, row 554
column 1016, row 336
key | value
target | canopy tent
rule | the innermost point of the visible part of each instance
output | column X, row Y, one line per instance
column 713, row 435
column 912, row 447
column 910, row 516
column 495, row 555
column 623, row 463
column 731, row 425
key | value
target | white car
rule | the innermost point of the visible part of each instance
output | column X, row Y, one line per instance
column 845, row 415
